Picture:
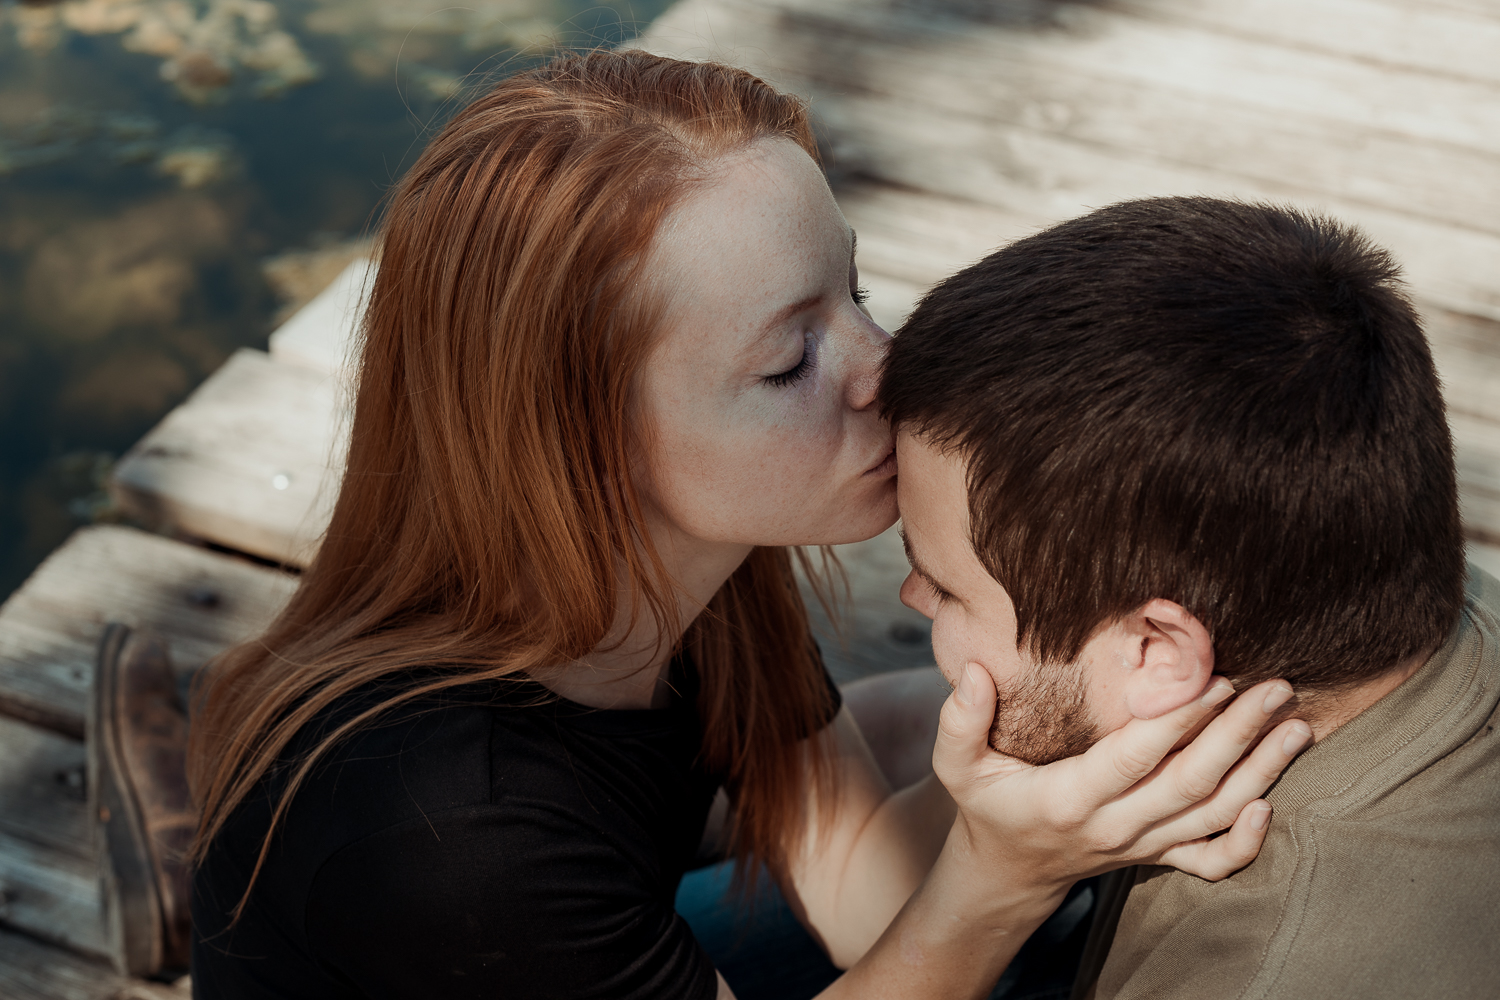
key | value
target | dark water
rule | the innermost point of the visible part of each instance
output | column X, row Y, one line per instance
column 175, row 175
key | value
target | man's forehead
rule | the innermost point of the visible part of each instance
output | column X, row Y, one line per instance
column 932, row 481
column 932, row 492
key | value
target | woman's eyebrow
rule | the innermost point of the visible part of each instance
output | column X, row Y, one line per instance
column 781, row 316
column 785, row 313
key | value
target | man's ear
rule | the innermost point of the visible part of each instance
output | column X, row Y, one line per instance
column 1172, row 663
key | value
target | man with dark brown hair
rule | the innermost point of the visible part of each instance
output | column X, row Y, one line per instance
column 1180, row 438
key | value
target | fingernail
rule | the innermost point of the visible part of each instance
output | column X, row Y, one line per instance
column 1296, row 739
column 966, row 685
column 1261, row 818
column 1217, row 693
column 1277, row 697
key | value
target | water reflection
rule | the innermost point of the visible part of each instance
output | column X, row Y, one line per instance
column 175, row 177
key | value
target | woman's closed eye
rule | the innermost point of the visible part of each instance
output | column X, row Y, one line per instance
column 859, row 293
column 801, row 369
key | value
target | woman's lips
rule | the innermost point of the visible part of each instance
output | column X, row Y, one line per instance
column 887, row 465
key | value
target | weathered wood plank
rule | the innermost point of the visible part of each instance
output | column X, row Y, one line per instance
column 1478, row 8
column 321, row 334
column 1470, row 372
column 922, row 237
column 200, row 600
column 1030, row 173
column 909, row 240
column 249, row 461
column 52, row 894
column 1467, row 351
column 872, row 83
column 1486, row 557
column 49, row 882
column 1477, row 443
column 1106, row 42
column 42, row 793
column 30, row 970
column 1401, row 34
column 1015, row 88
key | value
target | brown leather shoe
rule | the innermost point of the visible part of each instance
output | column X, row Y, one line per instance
column 137, row 756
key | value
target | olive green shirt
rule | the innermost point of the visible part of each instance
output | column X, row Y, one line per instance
column 1380, row 873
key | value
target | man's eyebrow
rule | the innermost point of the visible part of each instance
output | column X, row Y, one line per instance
column 916, row 563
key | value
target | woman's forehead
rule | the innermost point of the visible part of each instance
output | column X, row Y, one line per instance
column 759, row 234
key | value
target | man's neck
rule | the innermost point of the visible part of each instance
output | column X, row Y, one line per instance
column 1325, row 713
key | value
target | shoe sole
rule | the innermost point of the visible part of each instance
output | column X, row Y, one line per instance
column 127, row 879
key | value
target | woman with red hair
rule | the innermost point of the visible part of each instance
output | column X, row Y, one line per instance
column 615, row 375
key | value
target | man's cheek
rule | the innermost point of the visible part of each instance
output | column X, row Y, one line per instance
column 948, row 648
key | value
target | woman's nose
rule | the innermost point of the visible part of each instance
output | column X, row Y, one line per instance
column 869, row 347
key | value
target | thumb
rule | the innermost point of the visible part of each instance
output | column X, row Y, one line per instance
column 963, row 738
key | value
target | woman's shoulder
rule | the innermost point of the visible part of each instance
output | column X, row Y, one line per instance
column 405, row 856
column 491, row 746
column 424, row 755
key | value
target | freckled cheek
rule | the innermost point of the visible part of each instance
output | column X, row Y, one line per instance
column 819, row 425
column 774, row 456
column 796, row 440
column 742, row 482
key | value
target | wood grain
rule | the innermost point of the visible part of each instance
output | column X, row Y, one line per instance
column 31, row 970
column 42, row 794
column 52, row 894
column 49, row 881
column 1390, row 33
column 200, row 600
column 322, row 333
column 250, row 461
column 1109, row 106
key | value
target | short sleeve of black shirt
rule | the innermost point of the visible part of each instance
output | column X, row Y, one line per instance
column 488, row 843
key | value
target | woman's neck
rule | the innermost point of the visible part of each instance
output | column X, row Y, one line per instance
column 629, row 668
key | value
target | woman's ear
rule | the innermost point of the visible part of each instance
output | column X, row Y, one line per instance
column 1173, row 663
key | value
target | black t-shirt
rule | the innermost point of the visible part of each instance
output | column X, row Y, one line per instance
column 493, row 841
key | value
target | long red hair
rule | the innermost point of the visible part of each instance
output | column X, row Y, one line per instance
column 487, row 509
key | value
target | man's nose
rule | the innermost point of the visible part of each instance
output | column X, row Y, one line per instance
column 913, row 594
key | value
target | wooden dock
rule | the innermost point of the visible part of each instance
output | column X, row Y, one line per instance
column 953, row 127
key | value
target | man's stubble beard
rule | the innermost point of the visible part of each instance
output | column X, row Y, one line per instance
column 1044, row 718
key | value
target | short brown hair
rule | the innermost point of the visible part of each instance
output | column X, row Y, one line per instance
column 1228, row 405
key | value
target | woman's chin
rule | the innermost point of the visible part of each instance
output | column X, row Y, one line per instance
column 876, row 515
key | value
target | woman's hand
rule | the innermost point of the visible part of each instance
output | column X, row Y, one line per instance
column 1133, row 798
